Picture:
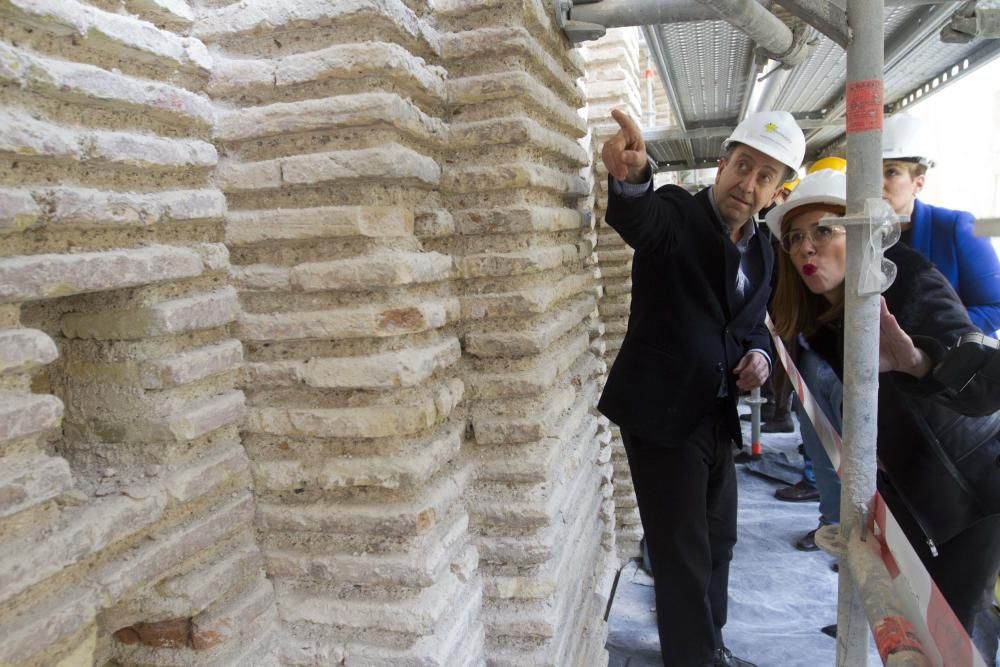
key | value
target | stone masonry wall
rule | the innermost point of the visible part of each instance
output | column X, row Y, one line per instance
column 614, row 81
column 512, row 185
column 332, row 134
column 299, row 339
column 126, row 512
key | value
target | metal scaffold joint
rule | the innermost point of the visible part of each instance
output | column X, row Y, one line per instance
column 576, row 31
column 825, row 16
column 798, row 52
column 979, row 19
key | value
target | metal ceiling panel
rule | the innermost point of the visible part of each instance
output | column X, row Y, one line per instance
column 708, row 62
column 709, row 65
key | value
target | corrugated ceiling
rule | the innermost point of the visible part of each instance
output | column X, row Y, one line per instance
column 709, row 64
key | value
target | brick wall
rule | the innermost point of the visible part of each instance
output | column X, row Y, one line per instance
column 614, row 81
column 299, row 339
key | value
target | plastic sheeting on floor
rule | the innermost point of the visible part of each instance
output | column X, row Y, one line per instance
column 779, row 597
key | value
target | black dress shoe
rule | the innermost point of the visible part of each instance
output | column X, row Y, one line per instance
column 807, row 542
column 797, row 493
column 746, row 457
column 725, row 658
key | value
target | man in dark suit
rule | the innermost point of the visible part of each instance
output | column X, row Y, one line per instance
column 696, row 338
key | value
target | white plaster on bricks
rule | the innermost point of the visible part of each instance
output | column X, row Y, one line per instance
column 80, row 82
column 112, row 33
column 199, row 477
column 357, row 322
column 340, row 62
column 86, row 206
column 480, row 178
column 407, row 470
column 203, row 311
column 171, row 12
column 29, row 480
column 78, row 533
column 368, row 422
column 291, row 224
column 191, row 365
column 390, row 162
column 363, row 110
column 417, row 613
column 48, row 276
column 54, row 618
column 256, row 16
column 372, row 271
column 402, row 368
column 25, row 136
column 22, row 415
column 18, row 211
column 24, row 350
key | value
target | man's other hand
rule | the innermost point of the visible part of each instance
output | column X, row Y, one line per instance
column 752, row 371
column 624, row 154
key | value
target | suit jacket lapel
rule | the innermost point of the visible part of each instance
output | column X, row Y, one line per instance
column 766, row 264
column 728, row 256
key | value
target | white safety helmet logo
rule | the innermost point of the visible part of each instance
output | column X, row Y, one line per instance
column 774, row 133
column 903, row 139
column 826, row 186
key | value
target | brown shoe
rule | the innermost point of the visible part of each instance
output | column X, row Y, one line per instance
column 797, row 493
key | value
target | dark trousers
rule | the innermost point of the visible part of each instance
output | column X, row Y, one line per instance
column 687, row 502
column 965, row 566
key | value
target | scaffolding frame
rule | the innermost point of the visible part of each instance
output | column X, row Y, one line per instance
column 866, row 597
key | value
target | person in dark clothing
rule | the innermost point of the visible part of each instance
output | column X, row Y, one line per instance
column 695, row 339
column 938, row 469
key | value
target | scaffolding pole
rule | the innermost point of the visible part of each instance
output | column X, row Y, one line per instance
column 864, row 95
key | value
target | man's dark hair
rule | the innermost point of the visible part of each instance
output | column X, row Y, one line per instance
column 733, row 145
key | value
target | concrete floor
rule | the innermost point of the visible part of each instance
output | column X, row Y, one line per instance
column 779, row 597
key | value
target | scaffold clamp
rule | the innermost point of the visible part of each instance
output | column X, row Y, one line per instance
column 877, row 272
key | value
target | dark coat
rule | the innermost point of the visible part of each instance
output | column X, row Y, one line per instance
column 683, row 337
column 945, row 466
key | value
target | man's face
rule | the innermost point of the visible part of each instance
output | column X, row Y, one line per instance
column 746, row 182
column 899, row 186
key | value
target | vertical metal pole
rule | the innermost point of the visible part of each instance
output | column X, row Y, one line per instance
column 861, row 331
column 755, row 403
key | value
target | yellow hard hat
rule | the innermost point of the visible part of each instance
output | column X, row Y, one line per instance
column 791, row 185
column 835, row 163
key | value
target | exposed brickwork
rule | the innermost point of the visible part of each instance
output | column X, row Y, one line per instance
column 301, row 336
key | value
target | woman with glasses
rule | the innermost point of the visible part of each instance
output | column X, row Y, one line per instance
column 939, row 470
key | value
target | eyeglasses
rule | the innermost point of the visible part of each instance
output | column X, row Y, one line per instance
column 819, row 236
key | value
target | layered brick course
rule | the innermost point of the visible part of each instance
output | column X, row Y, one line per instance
column 302, row 328
column 123, row 465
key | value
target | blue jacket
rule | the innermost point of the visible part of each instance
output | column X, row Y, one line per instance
column 969, row 262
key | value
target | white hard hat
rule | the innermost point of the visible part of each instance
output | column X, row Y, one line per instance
column 774, row 133
column 903, row 139
column 826, row 186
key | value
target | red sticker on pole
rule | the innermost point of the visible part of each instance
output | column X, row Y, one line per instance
column 864, row 105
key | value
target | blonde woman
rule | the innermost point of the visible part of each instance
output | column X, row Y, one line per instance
column 939, row 470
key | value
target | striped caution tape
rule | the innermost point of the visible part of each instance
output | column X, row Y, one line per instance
column 930, row 619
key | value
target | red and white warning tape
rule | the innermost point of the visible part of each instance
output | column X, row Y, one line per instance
column 943, row 639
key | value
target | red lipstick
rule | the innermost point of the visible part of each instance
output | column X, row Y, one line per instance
column 809, row 269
